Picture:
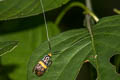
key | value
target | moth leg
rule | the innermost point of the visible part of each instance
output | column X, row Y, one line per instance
column 33, row 70
column 50, row 62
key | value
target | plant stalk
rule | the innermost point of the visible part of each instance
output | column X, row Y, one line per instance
column 75, row 4
column 116, row 11
column 88, row 23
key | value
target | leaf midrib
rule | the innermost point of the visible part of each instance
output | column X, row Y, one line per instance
column 71, row 59
column 64, row 40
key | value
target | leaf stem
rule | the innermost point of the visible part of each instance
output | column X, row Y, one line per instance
column 116, row 11
column 88, row 18
column 88, row 21
column 75, row 4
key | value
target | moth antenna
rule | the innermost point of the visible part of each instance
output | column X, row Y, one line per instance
column 46, row 26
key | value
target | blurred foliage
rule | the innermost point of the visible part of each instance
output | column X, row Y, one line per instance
column 30, row 38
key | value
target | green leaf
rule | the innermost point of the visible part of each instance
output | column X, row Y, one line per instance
column 7, row 46
column 75, row 47
column 12, row 9
column 29, row 39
